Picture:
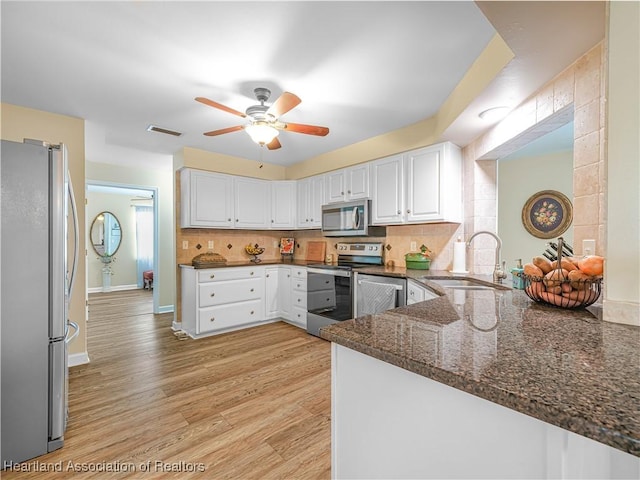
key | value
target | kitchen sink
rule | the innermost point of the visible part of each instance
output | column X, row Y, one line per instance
column 462, row 283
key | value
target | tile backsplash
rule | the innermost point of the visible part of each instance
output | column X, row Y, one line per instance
column 230, row 244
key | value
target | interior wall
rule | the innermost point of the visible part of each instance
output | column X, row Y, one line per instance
column 19, row 123
column 519, row 179
column 162, row 179
column 123, row 267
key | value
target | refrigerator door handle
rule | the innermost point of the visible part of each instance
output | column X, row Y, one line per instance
column 76, row 330
column 76, row 236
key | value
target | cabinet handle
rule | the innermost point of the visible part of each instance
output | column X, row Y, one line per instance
column 251, row 273
column 328, row 299
column 306, row 219
column 341, row 193
column 312, row 219
column 213, row 294
column 212, row 319
column 212, row 275
column 228, row 219
column 271, row 221
column 251, row 312
column 349, row 192
column 327, row 281
column 267, row 275
column 288, row 275
column 408, row 211
column 411, row 293
column 298, row 300
column 237, row 220
column 251, row 290
column 399, row 212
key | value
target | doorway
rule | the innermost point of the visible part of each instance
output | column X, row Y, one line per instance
column 130, row 202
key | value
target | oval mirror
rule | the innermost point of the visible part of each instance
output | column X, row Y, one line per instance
column 106, row 234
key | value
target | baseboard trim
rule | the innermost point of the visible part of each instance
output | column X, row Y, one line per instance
column 176, row 326
column 76, row 359
column 165, row 309
column 115, row 288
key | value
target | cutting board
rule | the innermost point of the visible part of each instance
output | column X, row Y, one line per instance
column 316, row 251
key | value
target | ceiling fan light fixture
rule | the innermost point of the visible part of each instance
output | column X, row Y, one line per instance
column 261, row 132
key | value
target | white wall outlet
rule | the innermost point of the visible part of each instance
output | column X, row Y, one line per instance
column 276, row 244
column 210, row 245
column 413, row 246
column 588, row 247
column 185, row 244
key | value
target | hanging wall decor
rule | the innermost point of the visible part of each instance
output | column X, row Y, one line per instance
column 547, row 214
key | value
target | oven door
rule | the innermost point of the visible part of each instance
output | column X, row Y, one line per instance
column 329, row 297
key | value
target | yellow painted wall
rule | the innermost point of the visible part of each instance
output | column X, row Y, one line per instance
column 217, row 162
column 19, row 123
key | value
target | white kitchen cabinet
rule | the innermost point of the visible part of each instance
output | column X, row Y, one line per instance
column 419, row 186
column 271, row 291
column 433, row 180
column 252, row 203
column 310, row 198
column 387, row 190
column 284, row 292
column 283, row 204
column 218, row 300
column 347, row 184
column 418, row 293
column 298, row 315
column 206, row 199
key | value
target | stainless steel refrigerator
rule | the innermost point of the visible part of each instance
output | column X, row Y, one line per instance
column 35, row 287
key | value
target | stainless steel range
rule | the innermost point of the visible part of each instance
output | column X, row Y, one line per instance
column 330, row 288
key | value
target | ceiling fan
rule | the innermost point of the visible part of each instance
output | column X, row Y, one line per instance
column 265, row 124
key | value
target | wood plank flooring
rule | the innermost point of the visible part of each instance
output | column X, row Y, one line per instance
column 250, row 404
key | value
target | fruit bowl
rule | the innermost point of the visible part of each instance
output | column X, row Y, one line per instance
column 563, row 292
column 254, row 250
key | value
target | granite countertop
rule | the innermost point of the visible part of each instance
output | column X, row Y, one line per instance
column 564, row 367
column 249, row 263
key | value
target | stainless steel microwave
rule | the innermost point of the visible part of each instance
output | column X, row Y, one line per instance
column 349, row 219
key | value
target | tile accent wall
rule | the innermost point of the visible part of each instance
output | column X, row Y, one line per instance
column 581, row 87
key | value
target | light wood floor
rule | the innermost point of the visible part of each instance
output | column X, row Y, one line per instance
column 248, row 404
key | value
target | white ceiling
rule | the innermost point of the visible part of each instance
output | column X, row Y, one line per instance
column 361, row 68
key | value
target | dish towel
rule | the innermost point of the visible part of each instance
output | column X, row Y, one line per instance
column 377, row 297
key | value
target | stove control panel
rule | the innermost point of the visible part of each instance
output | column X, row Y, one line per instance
column 362, row 249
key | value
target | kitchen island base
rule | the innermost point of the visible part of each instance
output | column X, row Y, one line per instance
column 388, row 422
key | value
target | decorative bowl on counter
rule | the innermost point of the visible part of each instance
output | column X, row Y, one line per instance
column 254, row 250
column 563, row 292
column 419, row 260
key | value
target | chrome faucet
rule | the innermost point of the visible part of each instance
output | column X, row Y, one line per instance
column 499, row 270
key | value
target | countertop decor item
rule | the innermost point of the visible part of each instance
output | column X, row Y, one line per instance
column 547, row 214
column 459, row 257
column 419, row 260
column 287, row 246
column 254, row 250
column 316, row 252
column 208, row 259
column 566, row 282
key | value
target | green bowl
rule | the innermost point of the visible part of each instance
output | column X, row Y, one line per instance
column 417, row 261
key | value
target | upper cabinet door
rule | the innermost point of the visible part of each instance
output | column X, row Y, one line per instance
column 252, row 203
column 334, row 183
column 206, row 199
column 433, row 184
column 316, row 200
column 347, row 184
column 387, row 190
column 357, row 182
column 302, row 201
column 283, row 204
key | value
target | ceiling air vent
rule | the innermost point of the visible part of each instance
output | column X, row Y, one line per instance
column 155, row 128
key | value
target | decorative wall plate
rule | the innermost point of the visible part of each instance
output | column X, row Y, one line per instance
column 547, row 214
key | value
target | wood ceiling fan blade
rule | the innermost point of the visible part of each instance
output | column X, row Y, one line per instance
column 219, row 106
column 274, row 144
column 283, row 104
column 213, row 133
column 307, row 129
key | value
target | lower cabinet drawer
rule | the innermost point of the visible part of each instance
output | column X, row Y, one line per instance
column 229, row 316
column 218, row 293
column 298, row 317
column 299, row 284
column 299, row 299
